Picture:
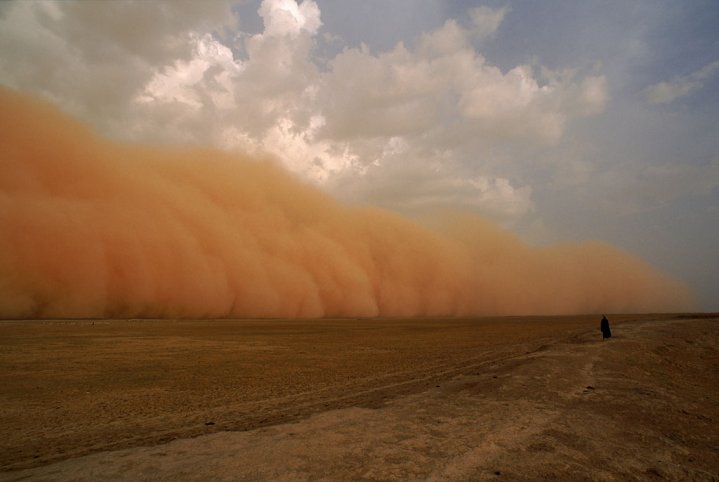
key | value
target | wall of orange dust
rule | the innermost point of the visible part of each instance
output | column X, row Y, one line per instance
column 92, row 228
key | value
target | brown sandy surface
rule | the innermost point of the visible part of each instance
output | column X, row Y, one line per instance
column 517, row 398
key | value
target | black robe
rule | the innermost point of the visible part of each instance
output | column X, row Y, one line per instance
column 604, row 326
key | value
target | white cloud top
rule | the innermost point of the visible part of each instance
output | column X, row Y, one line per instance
column 176, row 78
column 286, row 17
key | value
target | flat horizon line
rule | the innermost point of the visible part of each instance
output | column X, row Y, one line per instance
column 703, row 314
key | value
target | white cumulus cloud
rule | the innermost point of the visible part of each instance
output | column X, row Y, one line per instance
column 422, row 121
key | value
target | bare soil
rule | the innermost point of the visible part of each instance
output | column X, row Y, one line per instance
column 539, row 398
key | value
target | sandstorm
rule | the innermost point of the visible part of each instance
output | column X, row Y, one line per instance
column 95, row 228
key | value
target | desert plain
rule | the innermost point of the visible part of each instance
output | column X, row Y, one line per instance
column 513, row 398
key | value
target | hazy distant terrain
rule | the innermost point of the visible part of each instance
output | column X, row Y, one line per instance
column 347, row 399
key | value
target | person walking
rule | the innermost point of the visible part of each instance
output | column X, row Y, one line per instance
column 604, row 326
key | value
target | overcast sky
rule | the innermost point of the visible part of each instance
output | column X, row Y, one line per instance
column 560, row 120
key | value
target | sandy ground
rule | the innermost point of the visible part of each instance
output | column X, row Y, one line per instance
column 517, row 398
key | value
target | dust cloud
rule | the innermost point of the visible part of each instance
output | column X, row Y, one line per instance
column 92, row 228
